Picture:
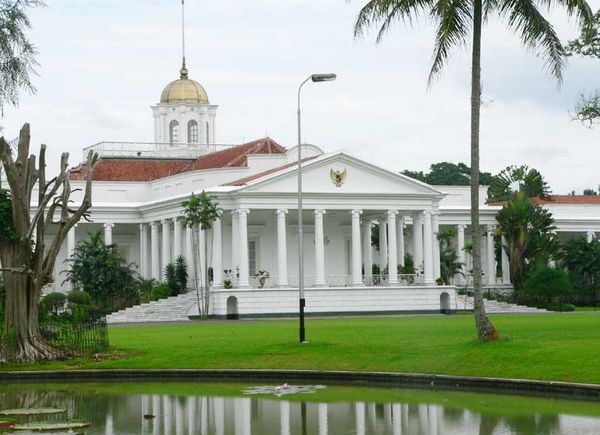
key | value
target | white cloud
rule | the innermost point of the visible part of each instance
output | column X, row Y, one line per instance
column 104, row 62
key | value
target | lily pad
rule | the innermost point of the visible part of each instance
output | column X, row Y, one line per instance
column 4, row 422
column 50, row 433
column 283, row 390
column 31, row 411
column 50, row 426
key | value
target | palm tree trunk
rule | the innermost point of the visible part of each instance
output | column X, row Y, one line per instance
column 485, row 329
column 195, row 248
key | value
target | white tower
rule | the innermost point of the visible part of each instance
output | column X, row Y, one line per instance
column 184, row 114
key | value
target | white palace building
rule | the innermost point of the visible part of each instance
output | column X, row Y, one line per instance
column 137, row 203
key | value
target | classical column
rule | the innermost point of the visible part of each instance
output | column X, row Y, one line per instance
column 360, row 418
column 219, row 415
column 217, row 253
column 319, row 249
column 177, row 237
column 284, row 417
column 282, row 271
column 392, row 246
column 154, row 251
column 322, row 412
column 418, row 241
column 243, row 248
column 108, row 233
column 396, row 419
column 189, row 254
column 590, row 235
column 428, row 248
column 235, row 244
column 505, row 263
column 383, row 246
column 356, row 260
column 166, row 245
column 491, row 257
column 143, row 250
column 368, row 252
column 71, row 241
column 436, row 245
column 70, row 250
column 400, row 237
column 461, row 251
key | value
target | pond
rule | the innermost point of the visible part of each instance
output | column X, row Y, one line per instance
column 173, row 408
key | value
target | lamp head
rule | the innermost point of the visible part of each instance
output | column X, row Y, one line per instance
column 323, row 77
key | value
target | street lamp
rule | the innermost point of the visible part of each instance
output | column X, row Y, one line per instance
column 314, row 78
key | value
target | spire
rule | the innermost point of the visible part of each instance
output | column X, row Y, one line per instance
column 183, row 71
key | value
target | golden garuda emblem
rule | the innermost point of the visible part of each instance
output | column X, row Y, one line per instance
column 338, row 177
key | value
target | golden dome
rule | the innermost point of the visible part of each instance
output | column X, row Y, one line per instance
column 184, row 90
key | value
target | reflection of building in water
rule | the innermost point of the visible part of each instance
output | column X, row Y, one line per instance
column 191, row 415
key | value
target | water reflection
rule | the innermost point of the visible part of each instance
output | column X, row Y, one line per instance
column 162, row 414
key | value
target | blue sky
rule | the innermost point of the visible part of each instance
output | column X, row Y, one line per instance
column 104, row 62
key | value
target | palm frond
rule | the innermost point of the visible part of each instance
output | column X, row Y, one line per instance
column 385, row 12
column 536, row 32
column 455, row 18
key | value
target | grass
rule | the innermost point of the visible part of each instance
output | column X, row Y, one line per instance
column 562, row 347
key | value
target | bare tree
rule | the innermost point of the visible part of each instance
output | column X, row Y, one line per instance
column 27, row 263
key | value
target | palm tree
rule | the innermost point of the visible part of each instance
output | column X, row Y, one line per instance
column 527, row 229
column 513, row 179
column 455, row 19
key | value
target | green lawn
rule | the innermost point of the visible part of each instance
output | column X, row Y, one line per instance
column 562, row 347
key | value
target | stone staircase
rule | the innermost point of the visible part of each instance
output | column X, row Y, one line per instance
column 496, row 307
column 173, row 309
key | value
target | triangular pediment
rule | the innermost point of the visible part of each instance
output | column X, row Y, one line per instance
column 339, row 173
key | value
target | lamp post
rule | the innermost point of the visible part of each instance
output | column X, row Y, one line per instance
column 314, row 78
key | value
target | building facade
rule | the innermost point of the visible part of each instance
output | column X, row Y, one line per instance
column 139, row 188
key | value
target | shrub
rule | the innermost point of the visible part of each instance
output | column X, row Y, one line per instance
column 52, row 304
column 548, row 284
column 161, row 291
column 79, row 297
column 560, row 307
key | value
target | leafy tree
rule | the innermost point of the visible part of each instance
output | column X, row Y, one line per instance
column 17, row 53
column 587, row 109
column 449, row 174
column 513, row 179
column 449, row 264
column 582, row 260
column 455, row 22
column 102, row 272
column 28, row 265
column 590, row 192
column 415, row 175
column 527, row 229
column 52, row 304
column 200, row 212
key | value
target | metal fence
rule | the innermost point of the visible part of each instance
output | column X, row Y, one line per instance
column 68, row 338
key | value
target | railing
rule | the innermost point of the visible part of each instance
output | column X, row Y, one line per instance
column 153, row 150
column 67, row 338
column 335, row 281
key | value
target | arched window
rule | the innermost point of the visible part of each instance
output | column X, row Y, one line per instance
column 173, row 132
column 193, row 131
column 207, row 133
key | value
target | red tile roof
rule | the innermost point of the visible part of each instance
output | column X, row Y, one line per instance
column 137, row 169
column 236, row 156
column 131, row 169
column 569, row 199
column 246, row 180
